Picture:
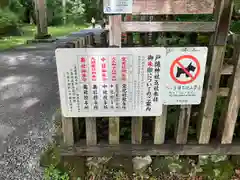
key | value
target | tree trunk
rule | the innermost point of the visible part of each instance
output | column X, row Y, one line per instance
column 41, row 18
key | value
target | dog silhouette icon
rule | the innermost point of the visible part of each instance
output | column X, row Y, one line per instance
column 189, row 68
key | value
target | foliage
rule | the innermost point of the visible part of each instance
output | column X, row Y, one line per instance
column 9, row 22
column 52, row 173
column 235, row 27
column 23, row 9
column 192, row 17
column 75, row 11
column 125, row 132
column 96, row 167
column 8, row 18
column 18, row 8
column 50, row 159
column 216, row 167
column 93, row 8
column 55, row 15
column 50, row 156
column 237, row 5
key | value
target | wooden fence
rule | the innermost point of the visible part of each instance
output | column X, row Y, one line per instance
column 216, row 68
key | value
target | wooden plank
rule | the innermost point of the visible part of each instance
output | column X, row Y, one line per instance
column 91, row 131
column 223, row 22
column 136, row 26
column 223, row 92
column 227, row 69
column 208, row 105
column 230, row 112
column 160, row 127
column 76, row 128
column 173, row 6
column 115, row 30
column 114, row 130
column 82, row 42
column 105, row 149
column 67, row 129
column 160, row 122
column 114, row 40
column 183, row 124
column 75, row 42
column 104, row 39
column 137, row 123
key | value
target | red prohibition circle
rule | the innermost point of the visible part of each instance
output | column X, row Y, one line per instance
column 177, row 62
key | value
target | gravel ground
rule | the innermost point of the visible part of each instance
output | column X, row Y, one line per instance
column 28, row 99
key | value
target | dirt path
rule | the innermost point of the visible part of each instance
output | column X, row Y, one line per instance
column 28, row 98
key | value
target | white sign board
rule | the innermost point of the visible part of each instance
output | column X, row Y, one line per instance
column 182, row 75
column 98, row 82
column 118, row 6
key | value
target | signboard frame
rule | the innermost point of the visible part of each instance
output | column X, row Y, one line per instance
column 117, row 6
column 188, row 91
column 66, row 57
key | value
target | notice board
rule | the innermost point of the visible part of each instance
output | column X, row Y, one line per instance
column 105, row 82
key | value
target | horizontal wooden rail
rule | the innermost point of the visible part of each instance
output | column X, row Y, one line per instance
column 141, row 26
column 227, row 69
column 223, row 92
column 152, row 149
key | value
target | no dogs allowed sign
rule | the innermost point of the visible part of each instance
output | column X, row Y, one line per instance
column 183, row 75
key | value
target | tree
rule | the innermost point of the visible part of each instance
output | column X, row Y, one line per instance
column 93, row 8
column 41, row 17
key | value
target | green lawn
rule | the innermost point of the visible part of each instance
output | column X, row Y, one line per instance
column 29, row 31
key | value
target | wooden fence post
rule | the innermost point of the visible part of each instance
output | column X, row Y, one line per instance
column 183, row 124
column 114, row 40
column 67, row 129
column 217, row 51
column 230, row 111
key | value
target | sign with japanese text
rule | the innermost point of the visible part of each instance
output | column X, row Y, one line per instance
column 182, row 75
column 98, row 82
column 118, row 6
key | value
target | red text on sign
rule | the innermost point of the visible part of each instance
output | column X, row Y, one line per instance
column 93, row 67
column 150, row 64
column 124, row 68
column 83, row 69
column 114, row 69
column 104, row 68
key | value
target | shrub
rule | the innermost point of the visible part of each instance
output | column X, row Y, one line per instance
column 8, row 18
column 52, row 173
column 18, row 8
column 55, row 14
column 9, row 21
column 74, row 12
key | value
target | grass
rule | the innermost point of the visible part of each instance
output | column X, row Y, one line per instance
column 28, row 32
